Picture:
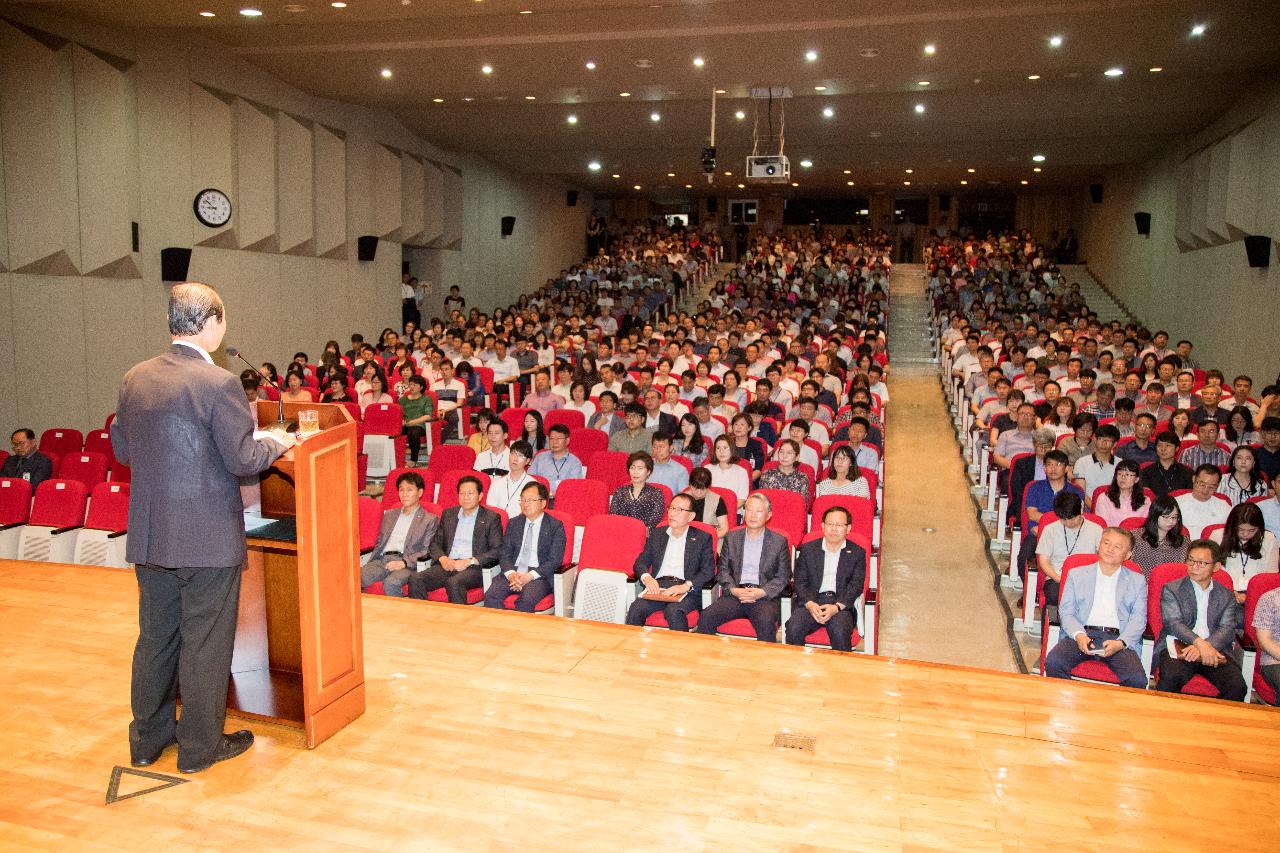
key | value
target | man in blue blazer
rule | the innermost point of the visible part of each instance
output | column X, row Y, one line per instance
column 532, row 552
column 829, row 578
column 1198, row 622
column 676, row 563
column 1103, row 612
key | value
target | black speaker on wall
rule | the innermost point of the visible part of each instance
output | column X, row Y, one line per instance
column 571, row 198
column 174, row 263
column 508, row 225
column 366, row 247
column 713, row 204
column 1258, row 248
column 1143, row 221
column 1095, row 193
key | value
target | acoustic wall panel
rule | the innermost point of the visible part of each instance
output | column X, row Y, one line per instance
column 37, row 113
column 1200, row 198
column 386, row 193
column 1241, row 211
column 1182, row 216
column 256, row 176
column 330, row 193
column 4, row 219
column 1215, row 202
column 295, row 162
column 411, row 194
column 452, row 210
column 213, row 161
column 107, row 165
column 432, row 201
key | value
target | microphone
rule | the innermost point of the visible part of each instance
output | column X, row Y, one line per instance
column 281, row 425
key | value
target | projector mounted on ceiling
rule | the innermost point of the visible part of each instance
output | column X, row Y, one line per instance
column 769, row 169
column 767, row 164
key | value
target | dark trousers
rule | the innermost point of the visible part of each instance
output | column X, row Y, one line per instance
column 1066, row 656
column 764, row 614
column 409, row 312
column 455, row 584
column 1175, row 673
column 839, row 627
column 414, row 434
column 525, row 601
column 186, row 634
column 675, row 612
column 1271, row 675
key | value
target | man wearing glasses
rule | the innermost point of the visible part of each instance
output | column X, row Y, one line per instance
column 532, row 552
column 829, row 578
column 676, row 563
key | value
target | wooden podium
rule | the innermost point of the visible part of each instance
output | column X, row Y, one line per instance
column 299, row 656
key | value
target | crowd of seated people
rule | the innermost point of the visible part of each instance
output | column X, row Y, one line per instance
column 1160, row 475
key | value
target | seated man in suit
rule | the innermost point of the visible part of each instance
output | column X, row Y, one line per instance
column 676, row 563
column 1198, row 632
column 403, row 540
column 532, row 551
column 466, row 541
column 830, row 573
column 27, row 461
column 1103, row 611
column 755, row 568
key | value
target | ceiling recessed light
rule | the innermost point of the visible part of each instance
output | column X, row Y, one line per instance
column 869, row 52
column 848, row 183
column 671, row 174
column 906, row 183
column 807, row 164
column 338, row 4
column 795, row 183
column 848, row 171
column 1038, row 158
column 624, row 94
column 930, row 49
column 919, row 108
column 251, row 13
column 295, row 7
column 1155, row 69
column 437, row 100
column 1025, row 182
column 828, row 112
column 655, row 116
column 636, row 187
column 688, row 186
column 1198, row 30
column 1055, row 41
column 1037, row 170
column 591, row 66
column 644, row 63
column 208, row 14
column 531, row 97
column 721, row 91
column 1114, row 72
column 468, row 100
column 971, row 170
column 594, row 166
column 486, row 69
column 819, row 88
column 526, row 11
column 911, row 171
column 617, row 176
column 698, row 62
column 739, row 115
column 386, row 73
column 964, row 183
column 728, row 174
column 811, row 56
column 742, row 186
column 572, row 119
column 1033, row 76
column 923, row 83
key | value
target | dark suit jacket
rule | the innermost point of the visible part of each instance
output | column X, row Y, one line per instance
column 183, row 427
column 699, row 561
column 1021, row 475
column 551, row 541
column 421, row 531
column 775, row 561
column 486, row 541
column 1178, row 615
column 851, row 573
column 667, row 423
column 37, row 466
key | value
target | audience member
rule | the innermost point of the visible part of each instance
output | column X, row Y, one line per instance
column 755, row 569
column 708, row 507
column 557, row 464
column 26, row 461
column 830, row 575
column 1201, row 507
column 403, row 540
column 638, row 499
column 671, row 571
column 466, row 542
column 1161, row 538
column 531, row 554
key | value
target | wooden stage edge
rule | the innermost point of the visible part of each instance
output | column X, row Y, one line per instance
column 489, row 731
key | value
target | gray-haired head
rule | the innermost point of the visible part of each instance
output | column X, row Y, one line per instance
column 190, row 305
column 1044, row 437
column 763, row 499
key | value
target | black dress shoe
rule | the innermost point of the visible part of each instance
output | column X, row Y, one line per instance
column 149, row 760
column 230, row 746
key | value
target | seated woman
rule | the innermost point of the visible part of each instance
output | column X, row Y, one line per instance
column 1243, row 480
column 470, row 379
column 689, row 443
column 725, row 471
column 708, row 507
column 671, row 404
column 533, row 431
column 368, row 370
column 1248, row 549
column 638, row 499
column 1080, row 443
column 787, row 475
column 1239, row 429
column 578, row 401
column 1124, row 498
column 843, row 476
column 405, row 371
column 337, row 392
column 1060, row 418
column 1180, row 425
column 745, row 445
column 376, row 393
column 1160, row 540
column 295, row 390
column 478, row 440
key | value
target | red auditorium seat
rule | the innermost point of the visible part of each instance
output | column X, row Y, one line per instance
column 476, row 595
column 447, row 494
column 99, row 441
column 57, row 513
column 102, row 541
column 449, row 457
column 61, row 441
column 382, row 439
column 581, row 499
column 391, row 494
column 15, row 509
column 1259, row 585
column 1089, row 670
column 609, row 467
column 789, row 514
column 88, row 468
column 562, row 583
column 570, row 418
column 585, row 443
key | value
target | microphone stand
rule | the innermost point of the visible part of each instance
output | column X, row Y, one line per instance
column 281, row 426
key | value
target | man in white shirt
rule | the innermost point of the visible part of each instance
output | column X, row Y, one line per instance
column 504, row 492
column 531, row 554
column 608, row 381
column 1098, row 468
column 495, row 460
column 829, row 578
column 676, row 563
column 506, row 370
column 1201, row 507
column 451, row 394
column 1103, row 612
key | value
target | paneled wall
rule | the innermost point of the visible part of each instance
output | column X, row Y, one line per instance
column 101, row 129
column 1190, row 276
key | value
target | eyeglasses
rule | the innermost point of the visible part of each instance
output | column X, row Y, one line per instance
column 1191, row 563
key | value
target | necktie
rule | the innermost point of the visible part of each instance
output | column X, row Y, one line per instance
column 526, row 558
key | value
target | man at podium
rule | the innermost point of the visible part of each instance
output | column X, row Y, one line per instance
column 184, row 429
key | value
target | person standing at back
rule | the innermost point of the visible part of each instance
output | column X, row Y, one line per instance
column 183, row 428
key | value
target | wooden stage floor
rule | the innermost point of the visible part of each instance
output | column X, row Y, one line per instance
column 495, row 732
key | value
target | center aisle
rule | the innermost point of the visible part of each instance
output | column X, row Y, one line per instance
column 937, row 594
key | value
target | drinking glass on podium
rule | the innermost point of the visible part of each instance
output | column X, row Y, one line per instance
column 308, row 422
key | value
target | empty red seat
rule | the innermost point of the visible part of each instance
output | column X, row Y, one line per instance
column 447, row 495
column 582, row 499
column 61, row 441
column 88, row 468
column 99, row 441
column 609, row 467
